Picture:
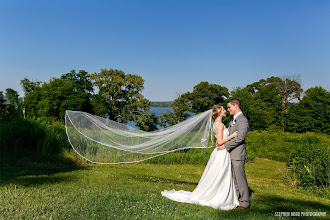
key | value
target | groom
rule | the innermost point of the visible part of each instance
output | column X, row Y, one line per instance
column 236, row 148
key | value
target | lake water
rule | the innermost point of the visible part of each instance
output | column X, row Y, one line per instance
column 158, row 112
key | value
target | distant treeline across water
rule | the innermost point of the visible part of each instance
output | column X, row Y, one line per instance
column 161, row 104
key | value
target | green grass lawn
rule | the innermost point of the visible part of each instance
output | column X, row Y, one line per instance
column 132, row 191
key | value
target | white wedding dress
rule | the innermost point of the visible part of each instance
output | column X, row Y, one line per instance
column 216, row 187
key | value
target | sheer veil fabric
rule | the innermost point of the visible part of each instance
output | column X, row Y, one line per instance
column 103, row 141
column 216, row 187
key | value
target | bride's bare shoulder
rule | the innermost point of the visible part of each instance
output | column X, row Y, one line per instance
column 219, row 125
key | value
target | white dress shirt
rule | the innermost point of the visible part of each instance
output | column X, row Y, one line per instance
column 237, row 114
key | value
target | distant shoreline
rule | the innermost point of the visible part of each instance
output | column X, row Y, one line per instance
column 161, row 104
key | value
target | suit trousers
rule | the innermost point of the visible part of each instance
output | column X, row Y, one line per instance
column 241, row 185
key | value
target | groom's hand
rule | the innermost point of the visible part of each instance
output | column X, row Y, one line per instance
column 220, row 147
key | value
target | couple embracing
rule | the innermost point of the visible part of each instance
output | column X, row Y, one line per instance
column 223, row 184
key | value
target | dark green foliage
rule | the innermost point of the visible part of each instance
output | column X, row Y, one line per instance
column 11, row 97
column 29, row 86
column 2, row 107
column 19, row 136
column 98, row 105
column 149, row 124
column 181, row 111
column 52, row 99
column 288, row 87
column 81, row 80
column 261, row 103
column 9, row 109
column 120, row 98
column 309, row 163
column 312, row 113
column 264, row 102
column 203, row 97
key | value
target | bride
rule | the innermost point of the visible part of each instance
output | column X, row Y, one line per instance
column 216, row 186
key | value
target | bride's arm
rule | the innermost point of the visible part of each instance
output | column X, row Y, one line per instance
column 220, row 140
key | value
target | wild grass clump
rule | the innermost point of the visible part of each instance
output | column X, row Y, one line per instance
column 278, row 145
column 19, row 136
column 308, row 167
column 275, row 145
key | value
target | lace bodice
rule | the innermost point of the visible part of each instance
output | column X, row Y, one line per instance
column 225, row 130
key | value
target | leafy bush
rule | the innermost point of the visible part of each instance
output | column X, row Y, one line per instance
column 309, row 164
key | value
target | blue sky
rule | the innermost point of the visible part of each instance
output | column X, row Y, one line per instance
column 173, row 45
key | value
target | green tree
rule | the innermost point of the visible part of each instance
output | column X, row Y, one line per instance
column 181, row 111
column 288, row 87
column 203, row 97
column 12, row 97
column 9, row 106
column 261, row 103
column 2, row 107
column 81, row 80
column 80, row 97
column 267, row 100
column 312, row 113
column 119, row 97
column 29, row 86
column 70, row 92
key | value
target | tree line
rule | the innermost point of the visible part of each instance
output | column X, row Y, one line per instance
column 272, row 103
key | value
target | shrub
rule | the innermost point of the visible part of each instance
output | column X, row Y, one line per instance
column 309, row 164
column 19, row 136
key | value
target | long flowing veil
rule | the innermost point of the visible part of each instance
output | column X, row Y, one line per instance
column 103, row 141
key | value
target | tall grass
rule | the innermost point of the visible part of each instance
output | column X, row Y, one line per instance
column 271, row 145
column 21, row 136
column 277, row 145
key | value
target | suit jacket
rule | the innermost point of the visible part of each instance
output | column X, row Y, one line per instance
column 236, row 146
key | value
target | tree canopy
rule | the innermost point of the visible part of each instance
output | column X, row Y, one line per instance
column 120, row 98
column 264, row 102
column 272, row 103
column 203, row 97
column 52, row 99
column 12, row 97
column 312, row 113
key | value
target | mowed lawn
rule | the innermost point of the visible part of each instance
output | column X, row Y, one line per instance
column 133, row 191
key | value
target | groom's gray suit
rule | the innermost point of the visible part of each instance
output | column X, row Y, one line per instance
column 236, row 148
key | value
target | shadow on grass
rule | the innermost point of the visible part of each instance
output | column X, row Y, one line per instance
column 274, row 206
column 29, row 171
column 275, row 203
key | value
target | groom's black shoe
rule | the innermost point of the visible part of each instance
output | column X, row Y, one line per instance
column 242, row 207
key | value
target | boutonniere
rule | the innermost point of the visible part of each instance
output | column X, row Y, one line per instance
column 233, row 122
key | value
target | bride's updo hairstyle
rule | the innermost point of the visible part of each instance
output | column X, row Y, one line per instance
column 216, row 110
